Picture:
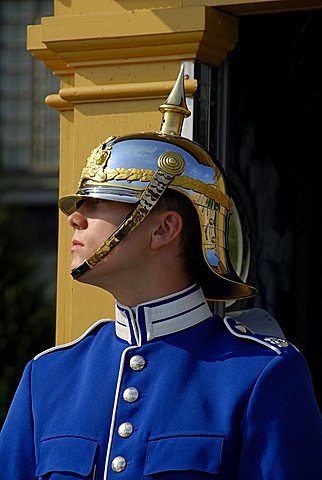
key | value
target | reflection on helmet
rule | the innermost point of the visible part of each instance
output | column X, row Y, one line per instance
column 120, row 169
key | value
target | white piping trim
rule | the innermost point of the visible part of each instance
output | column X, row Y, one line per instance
column 161, row 299
column 136, row 328
column 249, row 337
column 174, row 325
column 123, row 331
column 164, row 319
column 116, row 399
column 181, row 305
column 73, row 342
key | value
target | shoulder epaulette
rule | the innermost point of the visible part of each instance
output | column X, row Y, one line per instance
column 73, row 342
column 238, row 329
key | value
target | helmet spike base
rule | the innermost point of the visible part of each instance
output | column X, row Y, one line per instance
column 175, row 109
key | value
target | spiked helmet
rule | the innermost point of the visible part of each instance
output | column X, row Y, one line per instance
column 138, row 168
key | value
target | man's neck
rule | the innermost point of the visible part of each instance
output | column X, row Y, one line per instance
column 135, row 297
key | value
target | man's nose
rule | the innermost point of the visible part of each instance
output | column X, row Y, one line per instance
column 77, row 220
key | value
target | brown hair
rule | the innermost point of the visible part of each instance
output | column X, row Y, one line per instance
column 191, row 251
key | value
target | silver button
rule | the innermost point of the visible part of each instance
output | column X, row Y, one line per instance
column 137, row 363
column 118, row 464
column 130, row 394
column 125, row 429
column 280, row 342
column 241, row 327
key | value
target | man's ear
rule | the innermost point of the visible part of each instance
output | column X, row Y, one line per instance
column 167, row 229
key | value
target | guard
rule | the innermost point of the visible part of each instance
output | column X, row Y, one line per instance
column 167, row 391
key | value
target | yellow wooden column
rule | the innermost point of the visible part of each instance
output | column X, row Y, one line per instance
column 117, row 61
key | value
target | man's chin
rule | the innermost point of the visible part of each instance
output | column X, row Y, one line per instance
column 76, row 262
column 86, row 277
column 74, row 266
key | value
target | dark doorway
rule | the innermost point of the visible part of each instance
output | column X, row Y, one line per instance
column 275, row 131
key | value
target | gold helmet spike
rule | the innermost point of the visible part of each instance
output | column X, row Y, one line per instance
column 175, row 109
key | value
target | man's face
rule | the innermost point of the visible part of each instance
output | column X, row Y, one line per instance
column 129, row 270
column 93, row 222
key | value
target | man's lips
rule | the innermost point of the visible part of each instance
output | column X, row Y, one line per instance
column 76, row 244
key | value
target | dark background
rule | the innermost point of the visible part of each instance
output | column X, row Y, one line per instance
column 275, row 151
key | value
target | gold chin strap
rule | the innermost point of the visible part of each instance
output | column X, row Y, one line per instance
column 170, row 165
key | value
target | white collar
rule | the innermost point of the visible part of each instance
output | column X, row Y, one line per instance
column 162, row 316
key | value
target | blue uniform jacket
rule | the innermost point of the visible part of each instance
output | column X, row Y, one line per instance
column 167, row 391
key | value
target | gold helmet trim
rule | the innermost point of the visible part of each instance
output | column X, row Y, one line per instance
column 142, row 175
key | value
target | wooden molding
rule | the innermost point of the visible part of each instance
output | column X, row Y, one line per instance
column 39, row 50
column 69, row 96
column 195, row 32
column 56, row 102
column 125, row 91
